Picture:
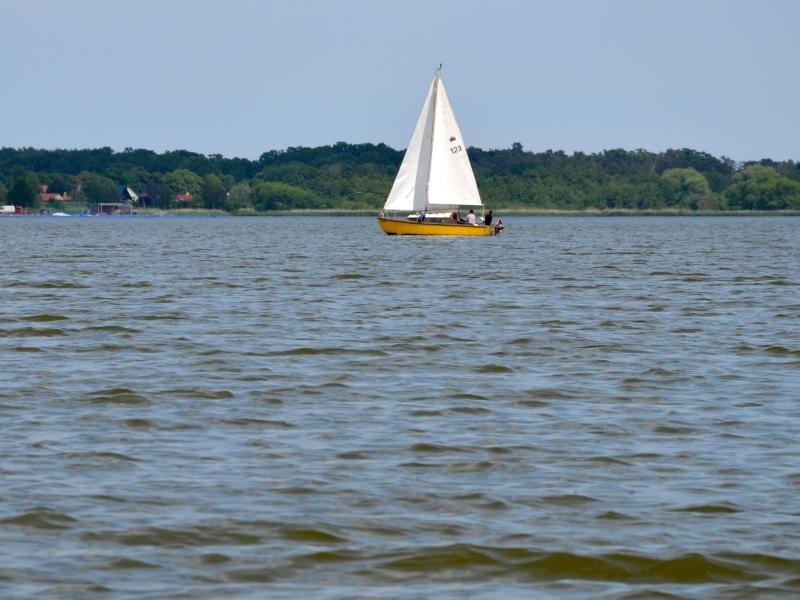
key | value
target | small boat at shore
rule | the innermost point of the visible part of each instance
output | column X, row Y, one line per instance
column 435, row 180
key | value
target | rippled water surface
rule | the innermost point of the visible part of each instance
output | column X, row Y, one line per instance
column 241, row 408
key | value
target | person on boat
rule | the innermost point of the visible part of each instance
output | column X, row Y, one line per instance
column 471, row 217
column 487, row 218
column 421, row 216
column 454, row 218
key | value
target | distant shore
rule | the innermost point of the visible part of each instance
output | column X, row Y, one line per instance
column 353, row 179
column 503, row 212
column 499, row 212
column 623, row 212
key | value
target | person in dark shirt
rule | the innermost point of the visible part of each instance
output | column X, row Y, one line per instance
column 487, row 218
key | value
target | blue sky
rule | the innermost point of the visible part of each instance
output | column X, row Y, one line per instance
column 243, row 76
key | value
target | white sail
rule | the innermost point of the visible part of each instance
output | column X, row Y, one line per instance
column 409, row 189
column 435, row 170
column 451, row 180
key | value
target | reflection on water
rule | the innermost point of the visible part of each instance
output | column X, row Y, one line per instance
column 230, row 407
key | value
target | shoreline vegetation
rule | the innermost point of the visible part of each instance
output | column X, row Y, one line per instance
column 503, row 213
column 351, row 179
column 531, row 212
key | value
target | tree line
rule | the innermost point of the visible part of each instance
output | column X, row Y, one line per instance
column 359, row 176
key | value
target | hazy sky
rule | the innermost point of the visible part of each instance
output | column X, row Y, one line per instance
column 239, row 77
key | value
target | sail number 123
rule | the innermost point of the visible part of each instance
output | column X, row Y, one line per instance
column 456, row 149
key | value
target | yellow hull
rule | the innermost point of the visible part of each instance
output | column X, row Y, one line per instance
column 398, row 227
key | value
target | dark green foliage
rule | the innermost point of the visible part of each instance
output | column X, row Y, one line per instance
column 25, row 190
column 275, row 195
column 180, row 181
column 760, row 187
column 214, row 192
column 58, row 183
column 687, row 188
column 96, row 188
column 359, row 176
column 240, row 197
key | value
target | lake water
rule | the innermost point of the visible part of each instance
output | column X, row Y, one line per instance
column 306, row 407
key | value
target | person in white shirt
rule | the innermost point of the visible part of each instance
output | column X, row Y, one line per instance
column 471, row 217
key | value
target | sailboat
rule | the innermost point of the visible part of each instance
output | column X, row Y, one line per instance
column 435, row 179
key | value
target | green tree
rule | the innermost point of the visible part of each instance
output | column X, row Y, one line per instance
column 3, row 193
column 213, row 192
column 25, row 190
column 59, row 183
column 137, row 178
column 689, row 188
column 758, row 187
column 620, row 193
column 275, row 195
column 239, row 197
column 97, row 188
column 180, row 181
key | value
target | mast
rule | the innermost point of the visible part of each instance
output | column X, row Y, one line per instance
column 436, row 76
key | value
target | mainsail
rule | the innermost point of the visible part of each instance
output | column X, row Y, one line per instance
column 435, row 170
